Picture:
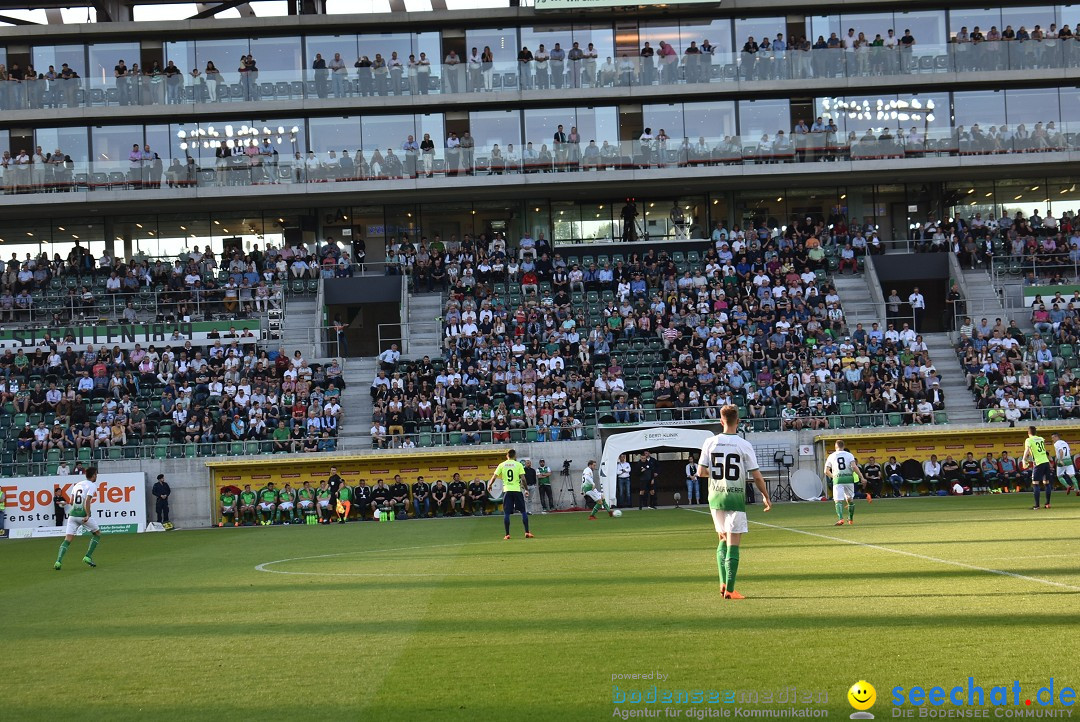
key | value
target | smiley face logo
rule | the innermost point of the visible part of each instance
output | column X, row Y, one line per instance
column 862, row 695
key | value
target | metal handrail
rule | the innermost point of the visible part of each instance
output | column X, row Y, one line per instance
column 51, row 301
column 773, row 422
column 406, row 332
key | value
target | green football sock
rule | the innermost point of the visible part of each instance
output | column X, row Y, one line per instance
column 851, row 510
column 839, row 510
column 63, row 550
column 597, row 507
column 732, row 563
column 277, row 515
column 721, row 561
column 94, row 540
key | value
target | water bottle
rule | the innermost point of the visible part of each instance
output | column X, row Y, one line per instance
column 393, row 515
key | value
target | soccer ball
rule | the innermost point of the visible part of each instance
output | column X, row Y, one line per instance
column 617, row 512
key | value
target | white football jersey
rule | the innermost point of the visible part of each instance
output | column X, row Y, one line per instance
column 80, row 494
column 1063, row 452
column 842, row 465
column 730, row 460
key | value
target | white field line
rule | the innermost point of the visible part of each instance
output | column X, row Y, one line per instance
column 950, row 562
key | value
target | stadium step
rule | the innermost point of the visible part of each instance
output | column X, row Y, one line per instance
column 959, row 403
column 296, row 328
column 425, row 333
column 856, row 301
column 983, row 301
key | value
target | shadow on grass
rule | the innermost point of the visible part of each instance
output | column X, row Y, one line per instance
column 573, row 581
column 552, row 627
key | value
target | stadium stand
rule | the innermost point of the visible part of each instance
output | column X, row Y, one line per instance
column 537, row 347
column 1022, row 373
column 231, row 393
column 241, row 285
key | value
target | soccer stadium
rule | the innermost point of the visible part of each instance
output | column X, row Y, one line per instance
column 627, row 359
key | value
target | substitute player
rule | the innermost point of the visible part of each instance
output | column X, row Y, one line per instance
column 248, row 498
column 228, row 507
column 727, row 460
column 589, row 491
column 268, row 497
column 78, row 513
column 512, row 475
column 286, row 505
column 842, row 468
column 1066, row 474
column 322, row 498
column 305, row 500
column 1035, row 449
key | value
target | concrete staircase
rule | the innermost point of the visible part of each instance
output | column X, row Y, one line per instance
column 356, row 398
column 981, row 297
column 856, row 300
column 959, row 403
column 424, row 334
column 297, row 328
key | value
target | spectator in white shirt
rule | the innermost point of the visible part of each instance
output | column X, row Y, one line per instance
column 389, row 358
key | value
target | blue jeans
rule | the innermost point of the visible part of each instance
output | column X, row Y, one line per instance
column 693, row 490
column 422, row 507
column 623, row 490
column 896, row 482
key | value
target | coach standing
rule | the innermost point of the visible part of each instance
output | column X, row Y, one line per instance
column 530, row 480
column 161, row 492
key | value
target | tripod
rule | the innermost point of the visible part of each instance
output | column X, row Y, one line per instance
column 566, row 484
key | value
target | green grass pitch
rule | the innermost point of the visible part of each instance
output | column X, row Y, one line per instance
column 443, row 619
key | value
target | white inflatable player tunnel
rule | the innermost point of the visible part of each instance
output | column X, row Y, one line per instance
column 652, row 438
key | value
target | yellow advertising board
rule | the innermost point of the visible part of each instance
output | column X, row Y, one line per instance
column 943, row 441
column 479, row 463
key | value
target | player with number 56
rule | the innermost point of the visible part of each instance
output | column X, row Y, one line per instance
column 727, row 460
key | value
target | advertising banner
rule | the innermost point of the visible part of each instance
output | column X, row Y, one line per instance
column 119, row 504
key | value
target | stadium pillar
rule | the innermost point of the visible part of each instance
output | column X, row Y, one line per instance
column 114, row 11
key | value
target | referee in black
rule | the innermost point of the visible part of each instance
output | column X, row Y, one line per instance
column 334, row 482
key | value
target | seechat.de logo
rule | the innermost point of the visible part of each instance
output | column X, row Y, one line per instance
column 862, row 696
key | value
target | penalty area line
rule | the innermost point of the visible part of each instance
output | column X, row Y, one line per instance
column 914, row 555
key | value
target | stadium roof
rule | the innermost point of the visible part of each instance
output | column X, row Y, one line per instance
column 57, row 12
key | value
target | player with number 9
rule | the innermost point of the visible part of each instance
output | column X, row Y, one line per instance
column 512, row 474
column 727, row 461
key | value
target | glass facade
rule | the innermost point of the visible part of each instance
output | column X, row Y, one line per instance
column 292, row 67
column 249, row 151
column 322, row 106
